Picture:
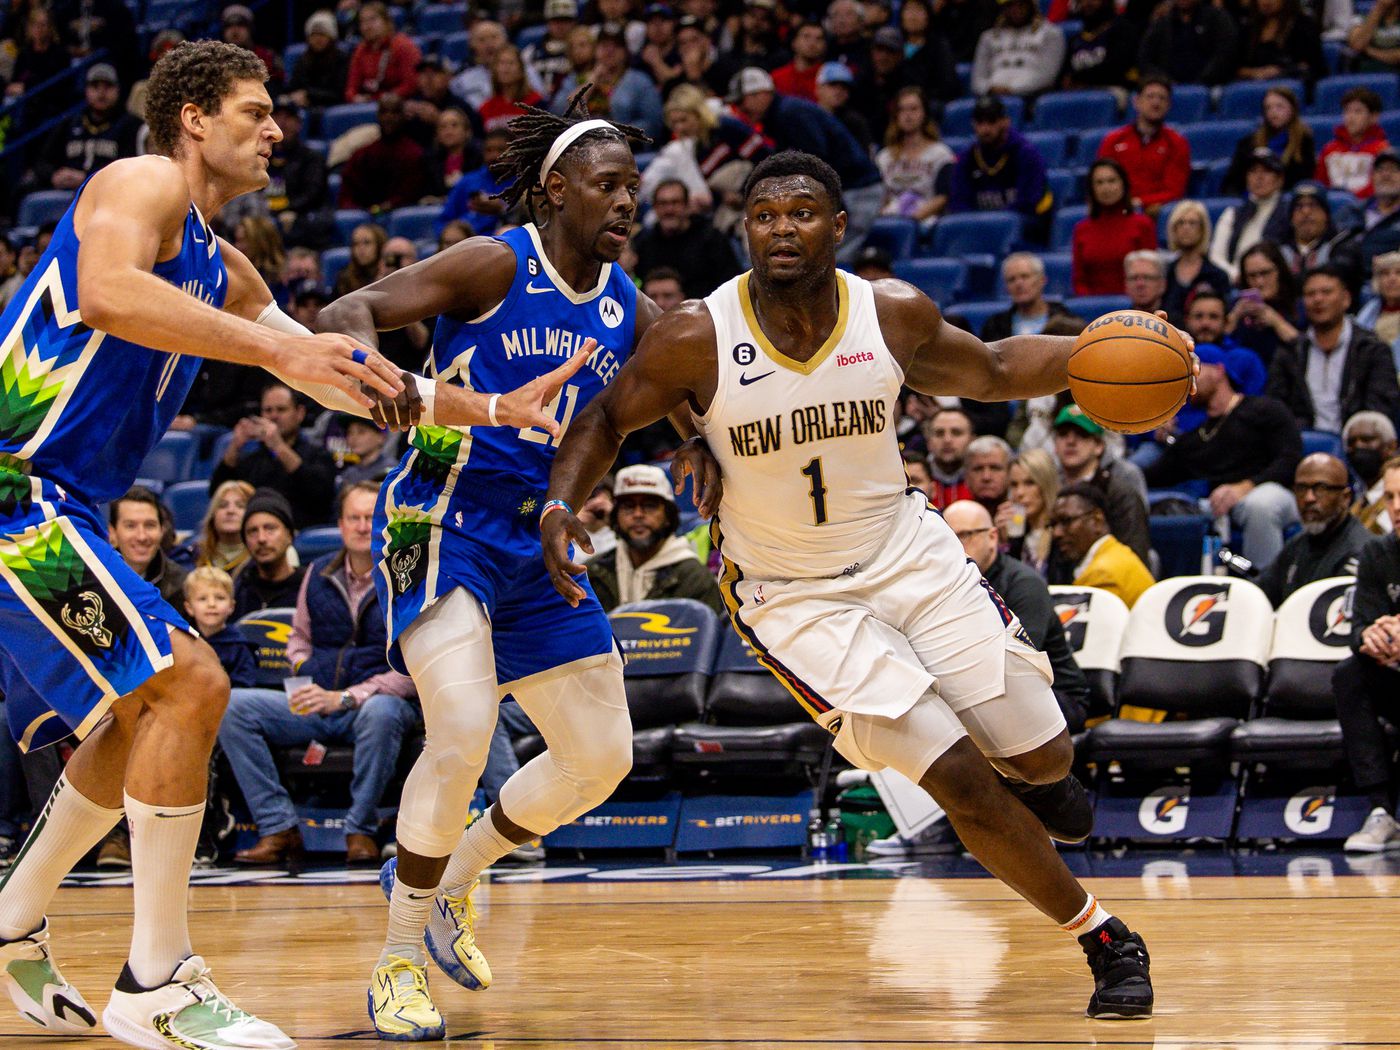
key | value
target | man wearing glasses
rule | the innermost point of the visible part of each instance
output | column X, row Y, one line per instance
column 1246, row 449
column 1079, row 528
column 1332, row 537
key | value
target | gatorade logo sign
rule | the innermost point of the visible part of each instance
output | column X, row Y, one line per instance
column 1329, row 619
column 1073, row 611
column 1310, row 812
column 1196, row 614
column 1164, row 811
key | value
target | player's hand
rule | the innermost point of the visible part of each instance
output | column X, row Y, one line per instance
column 1190, row 345
column 558, row 530
column 524, row 406
column 695, row 460
column 338, row 360
column 397, row 413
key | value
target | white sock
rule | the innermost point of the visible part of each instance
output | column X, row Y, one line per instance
column 481, row 846
column 163, row 840
column 1089, row 919
column 409, row 908
column 70, row 825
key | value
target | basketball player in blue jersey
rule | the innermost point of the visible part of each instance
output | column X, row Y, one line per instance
column 101, row 345
column 471, row 612
column 852, row 589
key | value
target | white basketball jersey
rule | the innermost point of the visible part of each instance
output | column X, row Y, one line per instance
column 813, row 477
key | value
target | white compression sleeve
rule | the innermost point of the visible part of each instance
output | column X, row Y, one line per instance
column 331, row 396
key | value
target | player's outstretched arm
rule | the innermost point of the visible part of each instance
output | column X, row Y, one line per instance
column 130, row 216
column 674, row 367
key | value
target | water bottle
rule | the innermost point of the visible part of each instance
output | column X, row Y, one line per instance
column 836, row 840
column 818, row 842
column 1210, row 547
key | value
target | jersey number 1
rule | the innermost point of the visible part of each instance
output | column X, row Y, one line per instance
column 541, row 437
column 813, row 470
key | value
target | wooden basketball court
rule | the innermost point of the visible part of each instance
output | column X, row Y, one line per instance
column 1309, row 959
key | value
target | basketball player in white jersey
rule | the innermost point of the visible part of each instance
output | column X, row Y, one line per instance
column 852, row 588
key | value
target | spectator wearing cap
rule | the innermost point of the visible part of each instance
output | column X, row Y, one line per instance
column 319, row 76
column 619, row 93
column 1246, row 448
column 1113, row 229
column 237, row 29
column 794, row 123
column 1314, row 241
column 103, row 131
column 1001, row 171
column 548, row 58
column 650, row 560
column 1103, row 52
column 1023, row 275
column 912, row 159
column 431, row 98
column 1021, row 54
column 1084, row 538
column 1156, row 158
column 679, row 238
column 390, row 172
column 1335, row 368
column 1261, row 216
column 1080, row 451
column 270, row 451
column 1331, row 538
column 834, row 84
column 1281, row 131
column 1382, row 314
column 1380, row 223
column 384, row 62
column 473, row 198
column 269, row 580
column 305, row 298
column 1190, row 42
column 798, row 78
column 658, row 55
column 1346, row 162
column 296, row 192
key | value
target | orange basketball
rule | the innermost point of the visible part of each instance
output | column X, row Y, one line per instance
column 1130, row 371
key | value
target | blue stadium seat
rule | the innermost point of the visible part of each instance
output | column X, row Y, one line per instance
column 942, row 280
column 1177, row 540
column 1087, row 142
column 1065, row 220
column 957, row 115
column 1322, row 124
column 1053, row 145
column 1061, row 110
column 333, row 260
column 1189, row 104
column 314, row 542
column 337, row 120
column 976, row 314
column 320, row 146
column 964, row 71
column 291, row 55
column 1390, row 124
column 1348, row 212
column 415, row 222
column 440, row 19
column 154, row 484
column 1323, row 441
column 187, row 501
column 1242, row 99
column 425, row 246
column 896, row 234
column 1091, row 307
column 43, row 206
column 1333, row 52
column 959, row 144
column 1207, row 178
column 530, row 35
column 1216, row 141
column 1328, row 92
column 971, row 234
column 456, row 46
column 1059, row 275
column 172, row 459
column 346, row 219
column 1066, row 185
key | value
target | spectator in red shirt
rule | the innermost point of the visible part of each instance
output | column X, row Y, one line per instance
column 1112, row 229
column 799, row 77
column 509, row 89
column 1346, row 162
column 390, row 172
column 384, row 61
column 1156, row 158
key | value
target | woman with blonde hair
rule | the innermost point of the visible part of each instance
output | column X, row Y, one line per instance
column 1023, row 519
column 219, row 541
column 366, row 246
column 1188, row 237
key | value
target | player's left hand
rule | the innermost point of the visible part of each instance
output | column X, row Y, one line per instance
column 313, row 700
column 400, row 412
column 1190, row 345
column 695, row 460
column 558, row 530
column 524, row 407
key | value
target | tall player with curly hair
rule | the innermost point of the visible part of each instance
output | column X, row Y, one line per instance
column 472, row 613
column 102, row 343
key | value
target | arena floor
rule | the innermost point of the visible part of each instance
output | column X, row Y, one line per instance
column 1264, row 950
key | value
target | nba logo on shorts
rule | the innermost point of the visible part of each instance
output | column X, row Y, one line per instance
column 1196, row 615
column 1309, row 812
column 1164, row 811
column 610, row 310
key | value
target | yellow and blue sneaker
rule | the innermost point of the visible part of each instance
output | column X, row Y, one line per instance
column 451, row 934
column 38, row 988
column 399, row 1003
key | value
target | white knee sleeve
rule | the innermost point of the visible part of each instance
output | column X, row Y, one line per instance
column 448, row 651
column 584, row 720
column 1023, row 718
column 909, row 744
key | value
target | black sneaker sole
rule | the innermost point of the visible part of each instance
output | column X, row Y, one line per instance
column 1120, row 1012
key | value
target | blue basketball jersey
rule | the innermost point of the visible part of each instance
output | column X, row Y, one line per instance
column 80, row 407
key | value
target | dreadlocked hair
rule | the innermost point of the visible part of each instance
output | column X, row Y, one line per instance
column 533, row 133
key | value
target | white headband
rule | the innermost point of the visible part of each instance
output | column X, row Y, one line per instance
column 567, row 139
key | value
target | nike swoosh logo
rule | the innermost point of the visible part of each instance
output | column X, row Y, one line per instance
column 219, row 280
column 746, row 380
column 62, row 1003
column 537, row 291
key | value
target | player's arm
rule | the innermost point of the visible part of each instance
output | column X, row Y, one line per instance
column 673, row 369
column 133, row 212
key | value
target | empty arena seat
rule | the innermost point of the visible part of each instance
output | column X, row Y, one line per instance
column 1328, row 92
column 942, row 280
column 1066, row 218
column 976, row 314
column 269, row 630
column 1086, row 142
column 333, row 260
column 1059, row 274
column 455, row 46
column 957, row 115
column 1094, row 621
column 1242, row 100
column 1189, row 104
column 314, row 542
column 172, row 459
column 1064, row 184
column 43, row 206
column 895, row 234
column 187, row 501
column 415, row 223
column 337, row 120
column 1090, row 307
column 1323, row 441
column 1216, row 141
column 972, row 234
column 440, row 19
column 1053, row 146
column 1060, row 110
column 1178, row 540
column 346, row 219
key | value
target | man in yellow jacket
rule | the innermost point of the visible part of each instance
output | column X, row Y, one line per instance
column 1079, row 527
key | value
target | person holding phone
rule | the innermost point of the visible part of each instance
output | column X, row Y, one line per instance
column 1266, row 309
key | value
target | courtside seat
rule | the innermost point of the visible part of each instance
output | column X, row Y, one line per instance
column 1094, row 621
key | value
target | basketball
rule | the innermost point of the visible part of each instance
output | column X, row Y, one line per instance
column 1130, row 371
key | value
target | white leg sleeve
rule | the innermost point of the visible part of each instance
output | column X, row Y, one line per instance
column 584, row 720
column 448, row 652
column 908, row 744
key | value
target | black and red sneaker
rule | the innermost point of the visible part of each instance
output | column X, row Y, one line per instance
column 1122, row 986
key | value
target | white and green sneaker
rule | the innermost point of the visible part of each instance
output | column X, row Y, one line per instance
column 188, row 1012
column 39, row 990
